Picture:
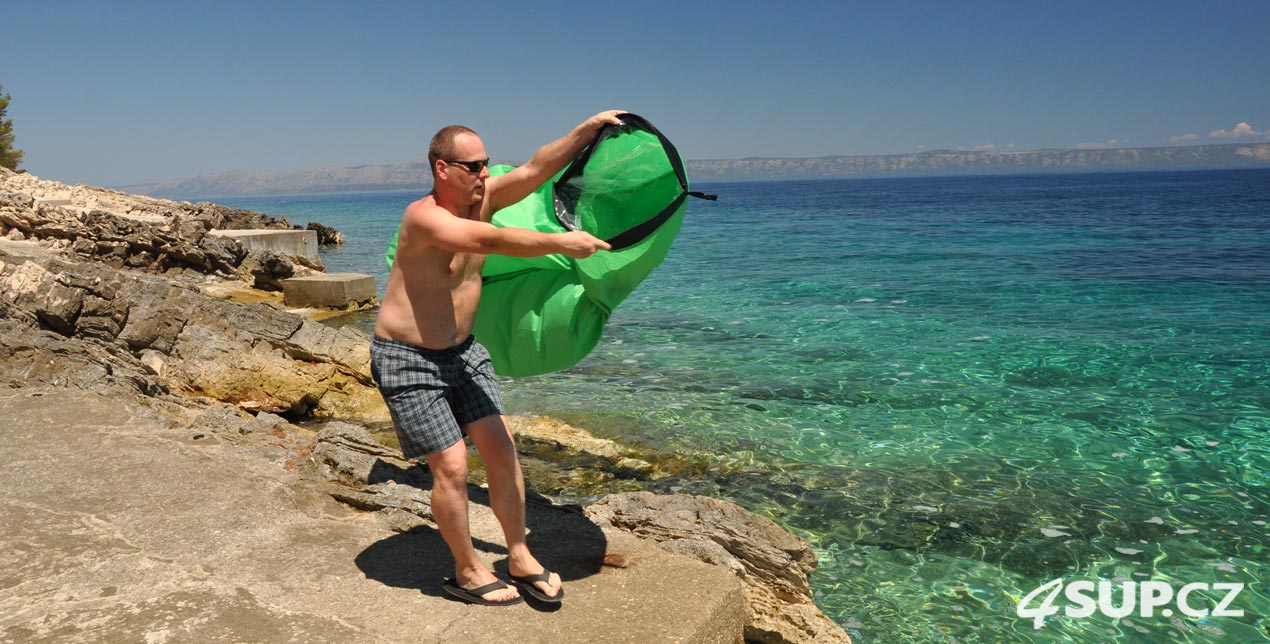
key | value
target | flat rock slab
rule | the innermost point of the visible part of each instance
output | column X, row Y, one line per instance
column 120, row 528
column 70, row 205
column 328, row 290
column 25, row 248
column 149, row 219
column 296, row 243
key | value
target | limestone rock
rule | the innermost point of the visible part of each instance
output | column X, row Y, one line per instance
column 351, row 467
column 153, row 361
column 238, row 219
column 31, row 287
column 774, row 565
column 126, row 230
column 265, row 422
column 34, row 356
column 548, row 437
column 267, row 269
column 347, row 454
column 327, row 236
column 254, row 356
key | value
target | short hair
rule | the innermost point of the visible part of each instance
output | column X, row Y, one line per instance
column 442, row 146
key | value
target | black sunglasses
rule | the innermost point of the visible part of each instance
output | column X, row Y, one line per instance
column 474, row 167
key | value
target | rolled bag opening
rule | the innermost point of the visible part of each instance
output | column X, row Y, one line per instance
column 543, row 314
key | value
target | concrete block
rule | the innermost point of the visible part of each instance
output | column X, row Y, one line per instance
column 296, row 243
column 328, row 290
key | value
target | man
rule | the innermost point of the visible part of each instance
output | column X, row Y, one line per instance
column 437, row 381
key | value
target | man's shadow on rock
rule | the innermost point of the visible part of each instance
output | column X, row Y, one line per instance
column 560, row 537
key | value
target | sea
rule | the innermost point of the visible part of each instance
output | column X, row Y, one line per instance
column 967, row 393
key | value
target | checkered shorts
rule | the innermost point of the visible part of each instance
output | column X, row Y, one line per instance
column 433, row 393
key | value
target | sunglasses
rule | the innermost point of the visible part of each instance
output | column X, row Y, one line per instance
column 474, row 167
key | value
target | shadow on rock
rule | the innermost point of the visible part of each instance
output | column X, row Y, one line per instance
column 384, row 472
column 561, row 538
column 418, row 559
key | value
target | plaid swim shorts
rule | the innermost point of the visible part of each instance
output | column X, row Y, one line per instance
column 433, row 393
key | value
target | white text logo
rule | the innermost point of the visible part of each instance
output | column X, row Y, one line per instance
column 1142, row 596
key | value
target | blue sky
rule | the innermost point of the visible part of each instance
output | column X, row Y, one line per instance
column 119, row 93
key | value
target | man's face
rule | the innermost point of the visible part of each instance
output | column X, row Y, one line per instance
column 472, row 184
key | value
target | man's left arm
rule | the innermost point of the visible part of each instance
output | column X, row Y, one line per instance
column 505, row 190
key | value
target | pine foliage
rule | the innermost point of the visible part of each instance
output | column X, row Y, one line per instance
column 10, row 157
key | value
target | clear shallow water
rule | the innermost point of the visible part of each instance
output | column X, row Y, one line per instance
column 956, row 388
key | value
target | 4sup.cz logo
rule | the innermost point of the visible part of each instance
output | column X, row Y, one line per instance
column 1127, row 598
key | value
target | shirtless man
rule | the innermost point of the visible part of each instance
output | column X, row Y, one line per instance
column 436, row 380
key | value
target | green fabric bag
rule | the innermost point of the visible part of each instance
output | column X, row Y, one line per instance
column 543, row 314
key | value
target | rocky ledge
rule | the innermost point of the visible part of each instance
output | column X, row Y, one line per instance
column 113, row 317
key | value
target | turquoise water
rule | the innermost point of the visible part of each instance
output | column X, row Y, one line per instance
column 957, row 389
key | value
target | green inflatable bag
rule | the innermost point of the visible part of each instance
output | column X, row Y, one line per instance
column 543, row 314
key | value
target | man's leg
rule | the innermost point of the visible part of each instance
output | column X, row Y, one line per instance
column 493, row 439
column 449, row 508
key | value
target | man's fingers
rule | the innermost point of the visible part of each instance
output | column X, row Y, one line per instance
column 599, row 244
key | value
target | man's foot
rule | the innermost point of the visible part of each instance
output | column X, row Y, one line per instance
column 491, row 594
column 544, row 586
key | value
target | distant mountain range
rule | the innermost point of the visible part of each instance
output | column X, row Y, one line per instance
column 415, row 174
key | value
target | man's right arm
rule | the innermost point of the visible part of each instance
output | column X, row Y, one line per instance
column 437, row 227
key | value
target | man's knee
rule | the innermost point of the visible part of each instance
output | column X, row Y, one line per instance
column 449, row 465
column 494, row 440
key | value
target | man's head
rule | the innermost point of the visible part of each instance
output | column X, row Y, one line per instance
column 459, row 163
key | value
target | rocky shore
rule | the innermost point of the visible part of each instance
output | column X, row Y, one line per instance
column 127, row 330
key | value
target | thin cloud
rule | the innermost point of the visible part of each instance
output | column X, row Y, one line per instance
column 1095, row 145
column 979, row 148
column 1241, row 130
column 1182, row 138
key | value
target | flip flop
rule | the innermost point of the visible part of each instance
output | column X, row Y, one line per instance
column 477, row 595
column 526, row 584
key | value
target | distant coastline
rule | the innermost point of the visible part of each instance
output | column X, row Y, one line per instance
column 411, row 175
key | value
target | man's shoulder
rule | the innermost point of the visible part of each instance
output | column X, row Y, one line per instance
column 423, row 210
column 423, row 204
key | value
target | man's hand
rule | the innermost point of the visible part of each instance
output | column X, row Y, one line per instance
column 609, row 117
column 506, row 189
column 580, row 244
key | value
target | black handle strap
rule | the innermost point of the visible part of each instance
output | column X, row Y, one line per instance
column 637, row 234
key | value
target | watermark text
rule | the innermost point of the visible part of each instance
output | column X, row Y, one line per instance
column 1135, row 597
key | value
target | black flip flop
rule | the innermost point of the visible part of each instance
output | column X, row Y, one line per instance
column 477, row 595
column 526, row 584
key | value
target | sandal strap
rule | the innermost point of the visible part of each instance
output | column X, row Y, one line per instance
column 487, row 588
column 545, row 575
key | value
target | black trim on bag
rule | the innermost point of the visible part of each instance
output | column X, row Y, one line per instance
column 564, row 197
